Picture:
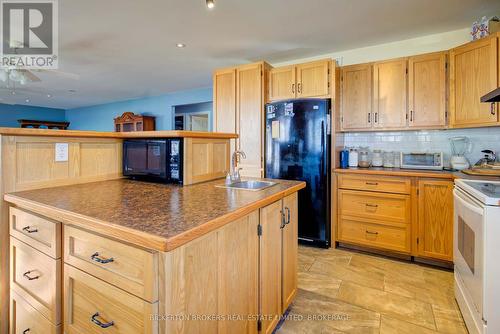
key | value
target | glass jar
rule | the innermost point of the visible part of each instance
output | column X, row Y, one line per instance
column 377, row 158
column 353, row 157
column 364, row 157
column 389, row 159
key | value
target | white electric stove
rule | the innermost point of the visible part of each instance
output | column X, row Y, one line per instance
column 476, row 253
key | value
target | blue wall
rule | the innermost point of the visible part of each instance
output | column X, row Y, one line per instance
column 9, row 114
column 100, row 117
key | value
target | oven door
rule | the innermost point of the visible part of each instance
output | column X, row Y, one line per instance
column 468, row 244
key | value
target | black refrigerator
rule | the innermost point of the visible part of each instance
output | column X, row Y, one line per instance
column 298, row 148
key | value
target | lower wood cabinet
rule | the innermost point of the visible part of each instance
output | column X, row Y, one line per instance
column 239, row 278
column 25, row 319
column 435, row 219
column 94, row 306
column 387, row 215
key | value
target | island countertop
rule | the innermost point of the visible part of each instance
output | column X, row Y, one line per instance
column 151, row 215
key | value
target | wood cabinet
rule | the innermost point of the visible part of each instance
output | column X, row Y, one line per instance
column 250, row 82
column 411, row 215
column 270, row 272
column 205, row 159
column 305, row 80
column 356, row 99
column 239, row 98
column 427, row 90
column 389, row 94
column 25, row 319
column 282, row 84
column 473, row 73
column 224, row 104
column 290, row 250
column 435, row 219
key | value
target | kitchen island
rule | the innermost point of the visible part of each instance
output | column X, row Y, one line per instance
column 149, row 258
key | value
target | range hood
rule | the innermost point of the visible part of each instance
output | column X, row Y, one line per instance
column 493, row 96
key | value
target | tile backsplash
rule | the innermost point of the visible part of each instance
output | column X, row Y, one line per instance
column 428, row 141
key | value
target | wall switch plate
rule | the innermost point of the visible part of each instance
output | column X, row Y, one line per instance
column 61, row 152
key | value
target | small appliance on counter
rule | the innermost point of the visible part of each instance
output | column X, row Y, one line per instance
column 154, row 159
column 459, row 146
column 422, row 160
column 488, row 159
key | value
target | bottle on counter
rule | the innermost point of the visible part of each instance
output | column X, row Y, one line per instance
column 377, row 158
column 353, row 157
column 344, row 158
column 364, row 157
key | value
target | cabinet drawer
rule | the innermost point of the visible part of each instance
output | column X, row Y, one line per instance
column 36, row 277
column 375, row 206
column 40, row 233
column 370, row 183
column 23, row 317
column 130, row 268
column 375, row 235
column 91, row 304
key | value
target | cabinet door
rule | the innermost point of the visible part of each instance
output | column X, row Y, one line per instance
column 290, row 250
column 427, row 90
column 313, row 79
column 282, row 83
column 357, row 97
column 270, row 270
column 224, row 85
column 250, row 104
column 389, row 94
column 473, row 73
column 435, row 219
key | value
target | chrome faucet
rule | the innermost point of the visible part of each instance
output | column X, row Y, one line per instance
column 234, row 173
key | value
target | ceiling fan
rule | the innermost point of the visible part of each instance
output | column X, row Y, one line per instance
column 12, row 74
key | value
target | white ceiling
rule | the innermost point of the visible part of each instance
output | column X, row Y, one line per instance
column 124, row 49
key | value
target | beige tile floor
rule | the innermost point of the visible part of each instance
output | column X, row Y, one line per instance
column 342, row 291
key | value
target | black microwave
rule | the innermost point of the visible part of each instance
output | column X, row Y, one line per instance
column 157, row 160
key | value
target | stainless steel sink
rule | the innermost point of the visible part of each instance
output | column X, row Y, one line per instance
column 253, row 185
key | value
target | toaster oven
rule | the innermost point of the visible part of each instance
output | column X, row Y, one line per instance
column 417, row 160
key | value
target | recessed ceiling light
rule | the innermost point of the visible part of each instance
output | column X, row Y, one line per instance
column 13, row 92
column 49, row 96
column 210, row 4
column 180, row 45
column 27, row 100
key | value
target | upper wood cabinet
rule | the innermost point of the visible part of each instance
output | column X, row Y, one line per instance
column 389, row 94
column 313, row 79
column 250, row 93
column 224, row 105
column 427, row 90
column 435, row 219
column 300, row 81
column 356, row 99
column 238, row 107
column 473, row 73
column 282, row 83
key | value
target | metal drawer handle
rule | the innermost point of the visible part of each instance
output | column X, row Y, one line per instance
column 371, row 232
column 371, row 183
column 99, row 323
column 372, row 205
column 287, row 209
column 492, row 108
column 293, row 88
column 26, row 331
column 283, row 220
column 95, row 257
column 299, row 88
column 27, row 229
column 30, row 278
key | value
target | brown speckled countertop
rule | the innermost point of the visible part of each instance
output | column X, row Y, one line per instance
column 151, row 215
